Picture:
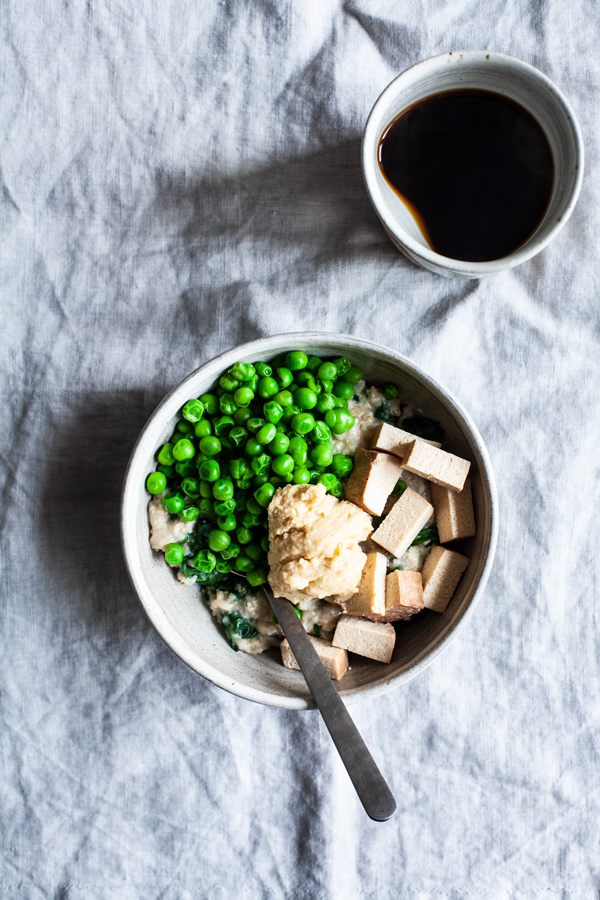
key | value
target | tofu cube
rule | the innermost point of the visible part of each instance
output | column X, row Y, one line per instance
column 394, row 440
column 401, row 526
column 436, row 465
column 333, row 658
column 442, row 571
column 374, row 640
column 372, row 480
column 370, row 596
column 403, row 595
column 453, row 512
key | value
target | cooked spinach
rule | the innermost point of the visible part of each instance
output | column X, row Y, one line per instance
column 427, row 535
column 238, row 625
column 424, row 428
column 384, row 415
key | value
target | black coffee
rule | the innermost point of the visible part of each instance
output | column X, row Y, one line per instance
column 476, row 168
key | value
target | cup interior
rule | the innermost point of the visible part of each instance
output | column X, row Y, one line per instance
column 183, row 619
column 483, row 71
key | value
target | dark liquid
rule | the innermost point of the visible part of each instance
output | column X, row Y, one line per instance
column 476, row 167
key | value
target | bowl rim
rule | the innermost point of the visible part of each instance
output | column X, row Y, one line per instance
column 416, row 249
column 151, row 606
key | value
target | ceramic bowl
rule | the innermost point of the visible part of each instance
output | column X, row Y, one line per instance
column 482, row 70
column 183, row 619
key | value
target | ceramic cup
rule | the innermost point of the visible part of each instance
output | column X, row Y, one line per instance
column 476, row 69
column 176, row 610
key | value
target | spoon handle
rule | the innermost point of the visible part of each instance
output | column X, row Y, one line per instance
column 370, row 784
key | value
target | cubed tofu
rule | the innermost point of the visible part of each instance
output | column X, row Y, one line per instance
column 372, row 480
column 403, row 596
column 370, row 596
column 401, row 526
column 375, row 640
column 453, row 512
column 436, row 465
column 442, row 571
column 335, row 659
column 394, row 440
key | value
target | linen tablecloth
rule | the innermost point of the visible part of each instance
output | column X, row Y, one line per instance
column 180, row 177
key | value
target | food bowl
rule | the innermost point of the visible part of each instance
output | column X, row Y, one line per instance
column 178, row 612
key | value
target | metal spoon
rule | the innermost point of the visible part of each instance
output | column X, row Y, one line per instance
column 370, row 785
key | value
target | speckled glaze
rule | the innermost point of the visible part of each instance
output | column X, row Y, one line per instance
column 483, row 70
column 183, row 620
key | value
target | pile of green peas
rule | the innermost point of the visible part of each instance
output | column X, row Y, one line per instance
column 261, row 426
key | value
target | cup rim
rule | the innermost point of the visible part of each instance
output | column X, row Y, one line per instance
column 133, row 483
column 416, row 249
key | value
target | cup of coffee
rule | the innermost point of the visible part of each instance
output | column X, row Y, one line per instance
column 473, row 162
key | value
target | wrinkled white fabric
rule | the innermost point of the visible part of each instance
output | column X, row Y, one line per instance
column 180, row 177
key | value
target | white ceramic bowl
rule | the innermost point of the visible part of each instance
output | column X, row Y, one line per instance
column 184, row 621
column 482, row 70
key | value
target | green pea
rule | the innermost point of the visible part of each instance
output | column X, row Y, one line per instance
column 306, row 379
column 341, row 403
column 257, row 576
column 227, row 523
column 314, row 363
column 193, row 410
column 206, row 506
column 325, row 401
column 189, row 513
column 174, row 502
column 211, row 404
column 255, row 424
column 223, row 489
column 266, row 434
column 238, row 436
column 244, row 535
column 322, row 454
column 250, row 521
column 267, row 387
column 231, row 552
column 227, row 404
column 242, row 371
column 223, row 425
column 332, row 484
column 166, row 470
column 298, row 450
column 305, row 398
column 252, row 447
column 243, row 396
column 210, row 470
column 353, row 375
column 272, row 411
column 343, row 389
column 339, row 420
column 203, row 428
column 241, row 416
column 191, row 487
column 243, row 563
column 218, row 540
column 174, row 554
column 228, row 383
column 210, row 445
column 260, row 463
column 243, row 483
column 205, row 489
column 303, row 422
column 342, row 365
column 284, row 398
column 290, row 412
column 204, row 561
column 263, row 369
column 184, row 427
column 296, row 360
column 253, row 507
column 224, row 507
column 261, row 479
column 239, row 468
column 284, row 377
column 390, row 391
column 264, row 494
column 301, row 475
column 264, row 543
column 279, row 444
column 341, row 465
column 165, row 455
column 186, row 468
column 253, row 550
column 156, row 482
column 326, row 385
column 320, row 433
column 327, row 370
column 223, row 566
column 283, row 465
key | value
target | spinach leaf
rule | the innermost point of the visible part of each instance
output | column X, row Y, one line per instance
column 427, row 535
column 384, row 415
column 238, row 625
